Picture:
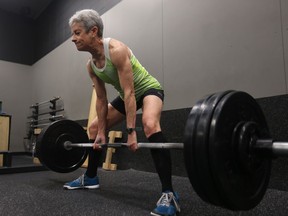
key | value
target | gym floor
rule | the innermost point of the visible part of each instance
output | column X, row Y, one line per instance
column 122, row 192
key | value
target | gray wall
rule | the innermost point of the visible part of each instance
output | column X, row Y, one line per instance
column 192, row 47
column 15, row 94
column 63, row 73
column 198, row 47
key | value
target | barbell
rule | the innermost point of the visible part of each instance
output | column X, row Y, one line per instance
column 227, row 149
column 69, row 145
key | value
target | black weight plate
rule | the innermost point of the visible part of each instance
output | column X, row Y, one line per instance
column 238, row 188
column 189, row 139
column 50, row 149
column 196, row 148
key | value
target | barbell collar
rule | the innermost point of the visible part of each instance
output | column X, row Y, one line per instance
column 68, row 145
column 263, row 147
column 161, row 145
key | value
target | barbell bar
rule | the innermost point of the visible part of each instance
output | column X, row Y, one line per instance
column 280, row 149
column 69, row 145
column 276, row 149
column 227, row 149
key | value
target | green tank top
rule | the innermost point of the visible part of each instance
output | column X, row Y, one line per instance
column 143, row 81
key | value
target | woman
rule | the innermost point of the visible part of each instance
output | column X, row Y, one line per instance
column 113, row 62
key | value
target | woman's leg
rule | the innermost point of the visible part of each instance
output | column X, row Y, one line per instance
column 94, row 159
column 152, row 108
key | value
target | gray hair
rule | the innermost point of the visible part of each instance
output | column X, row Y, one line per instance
column 89, row 18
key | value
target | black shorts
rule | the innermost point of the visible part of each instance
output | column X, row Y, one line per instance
column 119, row 105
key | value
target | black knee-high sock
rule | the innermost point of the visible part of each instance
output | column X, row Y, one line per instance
column 94, row 161
column 162, row 161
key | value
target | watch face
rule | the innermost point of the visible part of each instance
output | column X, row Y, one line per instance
column 130, row 130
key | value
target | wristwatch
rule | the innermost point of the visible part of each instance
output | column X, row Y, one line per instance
column 130, row 130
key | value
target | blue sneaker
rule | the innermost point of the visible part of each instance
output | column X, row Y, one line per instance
column 82, row 182
column 167, row 205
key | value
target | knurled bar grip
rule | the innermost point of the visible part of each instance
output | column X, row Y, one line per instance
column 69, row 145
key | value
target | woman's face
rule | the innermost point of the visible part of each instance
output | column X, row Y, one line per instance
column 80, row 37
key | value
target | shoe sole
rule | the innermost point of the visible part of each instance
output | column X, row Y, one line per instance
column 152, row 213
column 85, row 187
column 155, row 214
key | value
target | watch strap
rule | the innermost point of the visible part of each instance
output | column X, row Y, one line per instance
column 130, row 130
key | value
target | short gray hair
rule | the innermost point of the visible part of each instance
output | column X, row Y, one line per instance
column 88, row 18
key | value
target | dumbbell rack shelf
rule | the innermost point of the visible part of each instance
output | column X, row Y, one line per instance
column 42, row 115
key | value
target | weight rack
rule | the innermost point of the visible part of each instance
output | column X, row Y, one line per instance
column 42, row 114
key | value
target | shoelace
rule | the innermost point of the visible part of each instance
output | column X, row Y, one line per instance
column 81, row 180
column 166, row 199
